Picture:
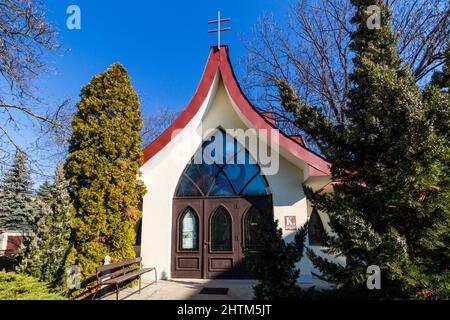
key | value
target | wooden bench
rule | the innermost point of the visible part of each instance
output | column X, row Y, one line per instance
column 115, row 274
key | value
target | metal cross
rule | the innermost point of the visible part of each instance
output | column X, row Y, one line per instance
column 219, row 29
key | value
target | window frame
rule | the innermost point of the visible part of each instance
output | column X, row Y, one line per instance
column 211, row 242
column 221, row 171
column 196, row 248
column 244, row 231
column 316, row 242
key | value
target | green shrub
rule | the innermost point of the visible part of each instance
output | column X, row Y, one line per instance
column 14, row 286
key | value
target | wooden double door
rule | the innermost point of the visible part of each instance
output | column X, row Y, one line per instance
column 209, row 235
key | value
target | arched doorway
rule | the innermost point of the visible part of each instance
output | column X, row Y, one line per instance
column 214, row 211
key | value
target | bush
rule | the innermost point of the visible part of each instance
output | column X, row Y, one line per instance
column 274, row 263
column 15, row 286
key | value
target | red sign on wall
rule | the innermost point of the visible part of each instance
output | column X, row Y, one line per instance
column 290, row 223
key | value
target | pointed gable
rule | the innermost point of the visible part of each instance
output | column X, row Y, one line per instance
column 219, row 61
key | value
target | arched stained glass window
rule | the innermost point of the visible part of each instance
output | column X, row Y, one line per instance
column 222, row 167
column 316, row 232
column 221, row 230
column 188, row 231
column 252, row 222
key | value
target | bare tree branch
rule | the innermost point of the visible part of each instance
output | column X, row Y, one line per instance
column 156, row 123
column 25, row 37
column 311, row 51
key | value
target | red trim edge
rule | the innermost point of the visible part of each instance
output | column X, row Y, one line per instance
column 219, row 60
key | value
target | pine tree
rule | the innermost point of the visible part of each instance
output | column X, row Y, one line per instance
column 273, row 264
column 34, row 250
column 390, row 203
column 53, row 270
column 102, row 168
column 46, row 246
column 17, row 202
column 45, row 192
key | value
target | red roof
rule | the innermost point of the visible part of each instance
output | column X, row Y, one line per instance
column 220, row 60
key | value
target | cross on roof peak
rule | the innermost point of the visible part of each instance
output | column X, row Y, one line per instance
column 219, row 29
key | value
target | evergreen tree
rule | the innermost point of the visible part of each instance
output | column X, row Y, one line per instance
column 46, row 246
column 45, row 192
column 102, row 168
column 437, row 97
column 34, row 250
column 274, row 262
column 60, row 225
column 390, row 203
column 17, row 202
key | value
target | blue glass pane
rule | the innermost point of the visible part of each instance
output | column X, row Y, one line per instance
column 257, row 187
column 221, row 187
column 186, row 188
column 240, row 174
column 222, row 151
column 203, row 175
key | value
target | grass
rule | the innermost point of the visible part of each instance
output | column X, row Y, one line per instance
column 14, row 286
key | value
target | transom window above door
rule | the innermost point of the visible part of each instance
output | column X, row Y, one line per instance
column 226, row 171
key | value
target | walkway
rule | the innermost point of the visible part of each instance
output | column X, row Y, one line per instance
column 189, row 289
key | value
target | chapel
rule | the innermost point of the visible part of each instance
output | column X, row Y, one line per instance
column 214, row 171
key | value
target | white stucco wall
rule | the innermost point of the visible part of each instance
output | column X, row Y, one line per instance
column 161, row 175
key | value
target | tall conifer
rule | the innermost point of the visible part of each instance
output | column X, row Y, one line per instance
column 390, row 165
column 53, row 270
column 46, row 245
column 102, row 168
column 34, row 250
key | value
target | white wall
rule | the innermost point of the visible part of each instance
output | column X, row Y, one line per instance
column 161, row 175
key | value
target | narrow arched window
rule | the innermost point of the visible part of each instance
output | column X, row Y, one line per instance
column 252, row 225
column 316, row 232
column 188, row 231
column 221, row 230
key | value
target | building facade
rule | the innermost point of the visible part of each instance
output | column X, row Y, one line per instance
column 213, row 171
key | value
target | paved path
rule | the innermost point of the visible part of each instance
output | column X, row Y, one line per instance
column 189, row 289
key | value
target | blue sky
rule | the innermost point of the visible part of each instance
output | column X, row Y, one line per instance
column 163, row 44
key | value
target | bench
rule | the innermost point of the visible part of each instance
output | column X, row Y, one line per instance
column 114, row 274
